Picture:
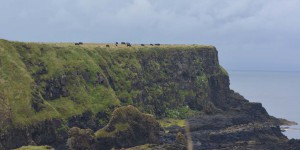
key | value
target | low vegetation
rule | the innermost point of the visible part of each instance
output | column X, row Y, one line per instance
column 41, row 81
column 171, row 122
column 35, row 148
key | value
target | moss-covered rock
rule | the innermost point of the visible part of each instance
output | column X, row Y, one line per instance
column 128, row 127
column 180, row 138
column 35, row 148
column 171, row 122
column 81, row 139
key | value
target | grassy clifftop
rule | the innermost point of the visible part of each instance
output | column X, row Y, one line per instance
column 40, row 81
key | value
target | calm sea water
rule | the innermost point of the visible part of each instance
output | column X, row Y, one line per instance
column 279, row 93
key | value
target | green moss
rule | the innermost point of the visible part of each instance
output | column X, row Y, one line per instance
column 202, row 81
column 35, row 148
column 223, row 71
column 168, row 122
column 63, row 128
column 180, row 112
column 142, row 147
column 118, row 128
column 95, row 101
column 180, row 138
column 122, row 126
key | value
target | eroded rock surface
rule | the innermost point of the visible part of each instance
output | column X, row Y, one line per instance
column 128, row 127
column 81, row 139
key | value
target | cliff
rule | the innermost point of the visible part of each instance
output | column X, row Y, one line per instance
column 42, row 81
column 47, row 88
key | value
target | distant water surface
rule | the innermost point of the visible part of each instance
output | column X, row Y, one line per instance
column 279, row 93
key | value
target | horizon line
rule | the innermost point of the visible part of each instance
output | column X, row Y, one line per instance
column 254, row 70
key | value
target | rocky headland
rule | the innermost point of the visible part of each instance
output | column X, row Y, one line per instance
column 89, row 96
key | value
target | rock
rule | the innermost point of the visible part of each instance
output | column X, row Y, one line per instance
column 85, row 120
column 158, row 147
column 128, row 127
column 180, row 138
column 81, row 139
column 55, row 88
column 48, row 132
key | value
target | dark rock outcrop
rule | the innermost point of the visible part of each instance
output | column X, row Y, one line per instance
column 128, row 127
column 244, row 126
column 81, row 139
column 49, row 132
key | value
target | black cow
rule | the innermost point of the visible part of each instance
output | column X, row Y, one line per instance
column 117, row 43
column 157, row 44
column 142, row 44
column 123, row 43
column 80, row 43
column 128, row 44
column 76, row 43
column 151, row 44
column 107, row 45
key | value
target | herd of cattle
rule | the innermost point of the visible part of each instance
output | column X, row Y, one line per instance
column 122, row 43
column 79, row 43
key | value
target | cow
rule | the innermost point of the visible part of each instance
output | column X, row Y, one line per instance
column 80, row 43
column 151, row 44
column 117, row 43
column 123, row 43
column 76, row 43
column 142, row 44
column 157, row 44
column 128, row 44
column 107, row 45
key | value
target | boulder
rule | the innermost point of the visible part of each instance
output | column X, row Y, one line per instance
column 81, row 139
column 128, row 127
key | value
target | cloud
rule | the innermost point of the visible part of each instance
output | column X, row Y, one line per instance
column 252, row 32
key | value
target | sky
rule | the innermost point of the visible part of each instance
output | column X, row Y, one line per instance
column 249, row 34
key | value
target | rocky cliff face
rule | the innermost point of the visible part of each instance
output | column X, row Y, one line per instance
column 48, row 88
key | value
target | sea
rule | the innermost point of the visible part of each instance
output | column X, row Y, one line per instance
column 278, row 91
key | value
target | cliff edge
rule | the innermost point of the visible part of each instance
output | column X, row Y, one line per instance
column 48, row 88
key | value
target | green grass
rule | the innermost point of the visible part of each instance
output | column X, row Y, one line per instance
column 17, row 82
column 35, row 148
column 129, row 73
column 180, row 112
column 95, row 101
column 168, row 122
column 223, row 71
column 16, row 85
column 118, row 128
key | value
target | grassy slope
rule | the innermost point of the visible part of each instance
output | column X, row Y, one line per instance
column 35, row 148
column 20, row 62
column 17, row 82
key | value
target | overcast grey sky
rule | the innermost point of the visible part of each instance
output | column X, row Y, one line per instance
column 249, row 34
